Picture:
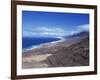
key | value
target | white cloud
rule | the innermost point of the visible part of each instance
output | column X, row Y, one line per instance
column 84, row 27
column 80, row 28
column 44, row 31
column 47, row 29
column 54, row 32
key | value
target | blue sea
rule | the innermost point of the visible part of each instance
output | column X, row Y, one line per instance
column 29, row 42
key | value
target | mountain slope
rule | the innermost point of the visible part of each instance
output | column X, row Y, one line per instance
column 74, row 55
column 72, row 51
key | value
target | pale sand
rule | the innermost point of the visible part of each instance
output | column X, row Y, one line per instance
column 37, row 58
column 36, row 61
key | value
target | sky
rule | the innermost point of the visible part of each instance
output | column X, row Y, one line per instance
column 53, row 24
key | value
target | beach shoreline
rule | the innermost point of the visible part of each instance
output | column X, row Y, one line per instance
column 42, row 45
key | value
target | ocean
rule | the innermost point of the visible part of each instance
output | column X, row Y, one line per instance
column 29, row 42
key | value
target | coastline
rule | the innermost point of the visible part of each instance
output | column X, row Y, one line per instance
column 58, row 54
column 42, row 45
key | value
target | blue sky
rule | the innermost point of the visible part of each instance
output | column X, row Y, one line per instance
column 53, row 24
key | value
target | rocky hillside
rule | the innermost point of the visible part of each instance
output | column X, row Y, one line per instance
column 75, row 55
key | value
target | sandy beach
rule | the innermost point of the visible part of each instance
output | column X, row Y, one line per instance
column 68, row 52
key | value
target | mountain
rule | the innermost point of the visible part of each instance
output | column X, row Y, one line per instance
column 75, row 55
column 72, row 51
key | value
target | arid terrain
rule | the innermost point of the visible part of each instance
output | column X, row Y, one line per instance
column 72, row 51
